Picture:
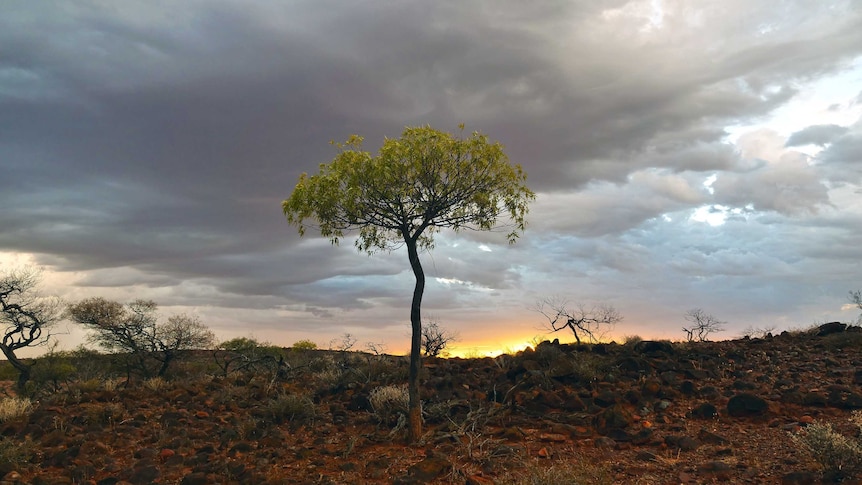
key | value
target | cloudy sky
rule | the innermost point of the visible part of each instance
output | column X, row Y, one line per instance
column 685, row 154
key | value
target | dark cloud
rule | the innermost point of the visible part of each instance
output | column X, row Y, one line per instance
column 148, row 145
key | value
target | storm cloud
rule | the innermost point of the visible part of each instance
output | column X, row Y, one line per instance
column 683, row 156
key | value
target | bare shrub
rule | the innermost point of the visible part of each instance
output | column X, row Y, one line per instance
column 435, row 339
column 702, row 325
column 588, row 322
column 837, row 454
column 389, row 402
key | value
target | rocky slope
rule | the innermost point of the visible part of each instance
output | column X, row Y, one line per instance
column 643, row 412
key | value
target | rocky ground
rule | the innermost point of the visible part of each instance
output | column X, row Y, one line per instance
column 641, row 412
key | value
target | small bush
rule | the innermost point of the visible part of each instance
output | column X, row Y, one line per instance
column 389, row 402
column 838, row 455
column 156, row 384
column 15, row 454
column 14, row 407
column 294, row 408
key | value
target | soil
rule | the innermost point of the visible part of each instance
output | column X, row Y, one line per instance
column 640, row 412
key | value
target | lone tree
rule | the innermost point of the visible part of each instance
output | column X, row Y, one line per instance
column 25, row 317
column 435, row 339
column 702, row 324
column 133, row 332
column 416, row 185
column 589, row 322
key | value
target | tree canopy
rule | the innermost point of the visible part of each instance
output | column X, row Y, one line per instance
column 418, row 184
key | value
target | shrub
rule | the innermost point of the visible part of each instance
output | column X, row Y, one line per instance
column 294, row 408
column 14, row 408
column 838, row 455
column 304, row 344
column 15, row 454
column 388, row 402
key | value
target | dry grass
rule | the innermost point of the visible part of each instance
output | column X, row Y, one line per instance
column 14, row 408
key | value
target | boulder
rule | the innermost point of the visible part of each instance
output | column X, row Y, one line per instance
column 746, row 404
column 830, row 328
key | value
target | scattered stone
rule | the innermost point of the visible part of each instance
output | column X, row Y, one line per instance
column 704, row 411
column 746, row 404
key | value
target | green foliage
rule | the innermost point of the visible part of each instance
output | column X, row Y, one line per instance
column 15, row 454
column 417, row 184
column 240, row 354
column 138, row 340
column 53, row 370
column 838, row 455
column 304, row 345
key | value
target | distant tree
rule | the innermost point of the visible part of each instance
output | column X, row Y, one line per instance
column 702, row 324
column 25, row 317
column 435, row 339
column 417, row 185
column 856, row 299
column 588, row 322
column 132, row 332
column 246, row 354
column 304, row 344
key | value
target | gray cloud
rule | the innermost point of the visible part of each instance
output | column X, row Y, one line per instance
column 816, row 135
column 146, row 146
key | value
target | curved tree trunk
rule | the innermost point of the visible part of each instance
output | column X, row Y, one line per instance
column 415, row 406
column 19, row 365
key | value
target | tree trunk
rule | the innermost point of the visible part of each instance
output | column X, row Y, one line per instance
column 414, row 413
column 22, row 368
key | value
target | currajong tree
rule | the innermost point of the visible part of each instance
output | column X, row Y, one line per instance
column 418, row 184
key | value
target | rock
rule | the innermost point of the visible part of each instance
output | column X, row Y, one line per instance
column 704, row 411
column 800, row 478
column 814, row 399
column 745, row 405
column 683, row 443
column 645, row 455
column 709, row 437
column 830, row 328
column 144, row 475
column 606, row 398
column 720, row 470
column 615, row 417
column 428, row 469
column 197, row 478
column 604, row 442
column 654, row 347
column 688, row 388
